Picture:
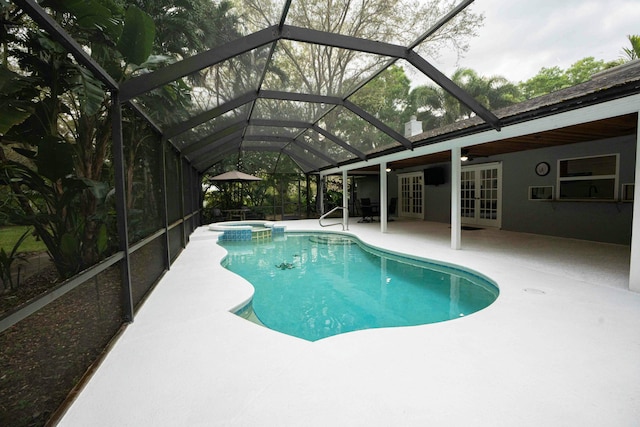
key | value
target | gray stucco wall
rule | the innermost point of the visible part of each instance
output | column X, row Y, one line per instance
column 437, row 198
column 600, row 221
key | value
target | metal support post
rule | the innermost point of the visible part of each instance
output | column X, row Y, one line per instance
column 121, row 203
column 165, row 205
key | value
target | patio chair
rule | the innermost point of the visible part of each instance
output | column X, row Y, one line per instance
column 218, row 215
column 367, row 210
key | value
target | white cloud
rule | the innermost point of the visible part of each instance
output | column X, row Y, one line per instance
column 522, row 36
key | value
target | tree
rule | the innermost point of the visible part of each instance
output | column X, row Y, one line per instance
column 187, row 27
column 332, row 71
column 65, row 138
column 384, row 97
column 436, row 108
column 632, row 52
column 582, row 70
column 546, row 81
column 57, row 115
column 553, row 79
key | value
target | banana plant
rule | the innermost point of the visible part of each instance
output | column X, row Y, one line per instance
column 61, row 128
column 6, row 263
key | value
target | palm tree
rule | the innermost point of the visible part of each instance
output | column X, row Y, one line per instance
column 187, row 27
column 436, row 107
column 633, row 52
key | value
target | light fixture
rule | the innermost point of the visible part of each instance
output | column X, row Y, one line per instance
column 388, row 170
column 465, row 156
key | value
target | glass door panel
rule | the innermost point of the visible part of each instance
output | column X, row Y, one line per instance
column 411, row 191
column 480, row 197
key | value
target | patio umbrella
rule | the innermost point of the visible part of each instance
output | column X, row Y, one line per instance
column 235, row 176
column 238, row 177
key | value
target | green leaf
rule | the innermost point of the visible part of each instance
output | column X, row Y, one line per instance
column 54, row 159
column 90, row 14
column 14, row 108
column 11, row 116
column 138, row 34
column 89, row 91
column 102, row 239
column 9, row 82
column 16, row 246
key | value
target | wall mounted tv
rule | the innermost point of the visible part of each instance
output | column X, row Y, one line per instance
column 434, row 176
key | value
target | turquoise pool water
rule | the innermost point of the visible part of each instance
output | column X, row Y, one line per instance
column 315, row 285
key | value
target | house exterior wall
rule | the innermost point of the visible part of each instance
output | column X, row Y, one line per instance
column 368, row 187
column 437, row 198
column 608, row 222
column 599, row 221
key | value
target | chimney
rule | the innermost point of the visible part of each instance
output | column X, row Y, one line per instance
column 412, row 127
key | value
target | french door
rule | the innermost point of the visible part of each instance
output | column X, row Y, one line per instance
column 411, row 200
column 481, row 195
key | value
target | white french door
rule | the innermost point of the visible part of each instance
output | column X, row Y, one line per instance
column 481, row 195
column 411, row 195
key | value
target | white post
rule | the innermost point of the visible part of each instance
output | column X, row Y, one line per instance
column 345, row 199
column 634, row 270
column 383, row 197
column 455, row 197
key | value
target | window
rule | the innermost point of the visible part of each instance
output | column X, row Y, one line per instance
column 541, row 193
column 588, row 178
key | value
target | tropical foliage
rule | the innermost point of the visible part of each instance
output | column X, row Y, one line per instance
column 55, row 126
column 61, row 183
column 7, row 259
column 632, row 52
column 436, row 107
column 554, row 78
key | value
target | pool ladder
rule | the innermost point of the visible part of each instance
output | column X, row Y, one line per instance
column 344, row 222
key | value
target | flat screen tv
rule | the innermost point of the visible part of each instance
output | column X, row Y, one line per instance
column 434, row 176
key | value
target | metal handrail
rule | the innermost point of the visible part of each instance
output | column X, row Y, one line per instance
column 345, row 223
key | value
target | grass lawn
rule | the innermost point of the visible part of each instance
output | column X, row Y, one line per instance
column 10, row 235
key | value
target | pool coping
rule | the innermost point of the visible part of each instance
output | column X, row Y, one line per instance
column 239, row 225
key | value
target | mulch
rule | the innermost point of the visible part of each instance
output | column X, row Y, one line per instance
column 45, row 355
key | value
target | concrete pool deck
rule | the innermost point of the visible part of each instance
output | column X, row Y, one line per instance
column 560, row 347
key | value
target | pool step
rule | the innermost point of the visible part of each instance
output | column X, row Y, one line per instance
column 331, row 240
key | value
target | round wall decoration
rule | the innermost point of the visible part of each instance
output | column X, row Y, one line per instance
column 542, row 168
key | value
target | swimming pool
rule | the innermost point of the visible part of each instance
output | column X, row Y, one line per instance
column 315, row 285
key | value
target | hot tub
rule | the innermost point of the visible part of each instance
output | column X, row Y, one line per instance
column 247, row 230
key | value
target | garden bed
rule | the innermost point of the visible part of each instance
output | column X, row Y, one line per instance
column 45, row 355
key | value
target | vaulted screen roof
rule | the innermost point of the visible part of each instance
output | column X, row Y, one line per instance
column 247, row 97
column 258, row 91
column 295, row 80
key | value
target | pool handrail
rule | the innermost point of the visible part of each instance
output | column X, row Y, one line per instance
column 345, row 219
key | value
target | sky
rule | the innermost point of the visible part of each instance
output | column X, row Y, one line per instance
column 520, row 37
